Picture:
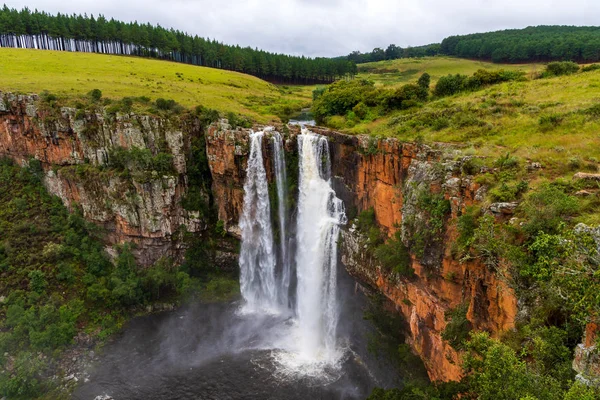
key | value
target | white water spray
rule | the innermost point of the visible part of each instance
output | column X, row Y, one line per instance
column 310, row 344
column 257, row 259
column 281, row 181
column 320, row 213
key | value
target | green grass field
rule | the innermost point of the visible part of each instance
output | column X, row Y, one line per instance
column 407, row 70
column 553, row 121
column 70, row 75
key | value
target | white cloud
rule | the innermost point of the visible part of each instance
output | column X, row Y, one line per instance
column 332, row 27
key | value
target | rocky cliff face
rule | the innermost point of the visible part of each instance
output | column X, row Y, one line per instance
column 389, row 177
column 76, row 149
column 73, row 147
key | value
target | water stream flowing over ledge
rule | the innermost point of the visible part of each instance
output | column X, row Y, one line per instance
column 298, row 330
column 311, row 346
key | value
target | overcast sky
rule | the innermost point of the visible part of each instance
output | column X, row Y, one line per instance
column 331, row 27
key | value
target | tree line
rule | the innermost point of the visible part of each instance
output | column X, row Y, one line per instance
column 532, row 44
column 39, row 30
column 393, row 52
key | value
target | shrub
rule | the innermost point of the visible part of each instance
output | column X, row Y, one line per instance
column 439, row 123
column 340, row 97
column 394, row 256
column 168, row 105
column 360, row 110
column 593, row 111
column 95, row 95
column 558, row 68
column 424, row 81
column 48, row 97
column 367, row 225
column 37, row 281
column 466, row 224
column 550, row 121
column 547, row 208
column 206, row 115
column 458, row 327
column 450, row 84
column 318, row 92
column 591, row 67
column 238, row 121
column 472, row 166
column 507, row 162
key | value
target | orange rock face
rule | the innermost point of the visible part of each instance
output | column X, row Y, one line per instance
column 147, row 212
column 379, row 178
column 376, row 175
column 227, row 152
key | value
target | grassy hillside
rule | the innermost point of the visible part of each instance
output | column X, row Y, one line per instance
column 406, row 70
column 554, row 121
column 75, row 74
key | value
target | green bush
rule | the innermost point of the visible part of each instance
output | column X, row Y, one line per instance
column 450, row 84
column 238, row 121
column 168, row 105
column 367, row 225
column 558, row 68
column 341, row 97
column 95, row 95
column 547, row 208
column 591, row 67
column 424, row 81
column 25, row 379
column 404, row 97
column 37, row 281
column 394, row 256
column 458, row 327
column 550, row 121
column 48, row 97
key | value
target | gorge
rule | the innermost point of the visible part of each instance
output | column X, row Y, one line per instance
column 286, row 193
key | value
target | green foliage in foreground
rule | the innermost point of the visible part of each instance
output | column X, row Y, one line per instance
column 59, row 282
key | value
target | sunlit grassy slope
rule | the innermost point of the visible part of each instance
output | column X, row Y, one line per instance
column 74, row 74
column 555, row 121
column 409, row 69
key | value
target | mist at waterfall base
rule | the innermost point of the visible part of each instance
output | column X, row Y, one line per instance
column 299, row 329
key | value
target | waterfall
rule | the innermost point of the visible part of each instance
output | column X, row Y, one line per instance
column 320, row 214
column 281, row 182
column 257, row 259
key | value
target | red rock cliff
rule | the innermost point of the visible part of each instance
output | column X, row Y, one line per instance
column 73, row 147
column 385, row 175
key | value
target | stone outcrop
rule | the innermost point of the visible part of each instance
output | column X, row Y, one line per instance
column 74, row 146
column 587, row 356
column 227, row 153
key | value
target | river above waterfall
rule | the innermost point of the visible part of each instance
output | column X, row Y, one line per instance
column 212, row 351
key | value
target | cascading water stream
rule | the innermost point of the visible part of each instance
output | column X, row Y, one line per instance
column 320, row 213
column 311, row 344
column 281, row 182
column 257, row 259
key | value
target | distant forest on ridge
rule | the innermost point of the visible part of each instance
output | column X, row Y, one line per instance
column 532, row 44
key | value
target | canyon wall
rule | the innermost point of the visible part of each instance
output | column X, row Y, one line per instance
column 76, row 149
column 73, row 148
column 388, row 176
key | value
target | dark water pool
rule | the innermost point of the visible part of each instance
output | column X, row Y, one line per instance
column 211, row 351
